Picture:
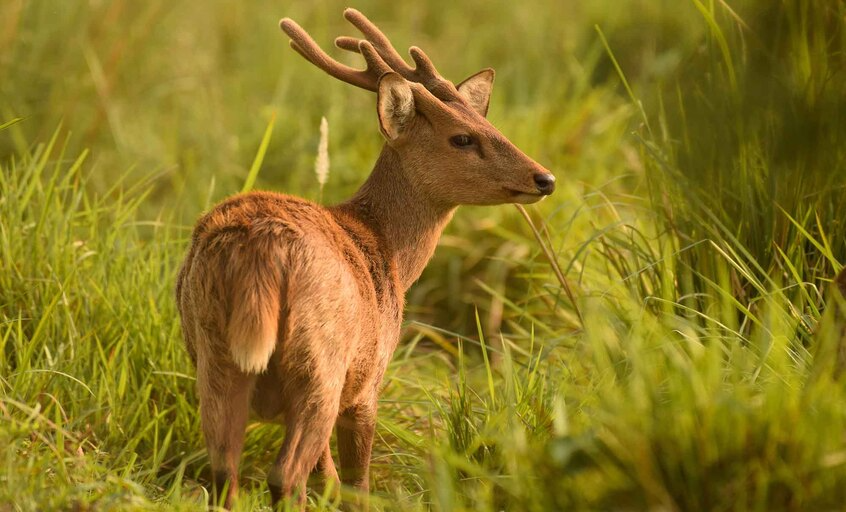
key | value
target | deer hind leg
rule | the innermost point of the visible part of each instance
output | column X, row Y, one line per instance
column 224, row 408
column 324, row 472
column 356, row 427
column 308, row 422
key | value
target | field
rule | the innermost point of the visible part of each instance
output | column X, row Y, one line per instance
column 690, row 357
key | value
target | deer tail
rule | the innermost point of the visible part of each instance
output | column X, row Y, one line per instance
column 255, row 291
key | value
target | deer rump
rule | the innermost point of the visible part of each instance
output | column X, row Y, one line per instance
column 260, row 282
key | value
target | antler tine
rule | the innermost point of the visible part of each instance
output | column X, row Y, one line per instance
column 375, row 63
column 311, row 51
column 425, row 72
column 421, row 60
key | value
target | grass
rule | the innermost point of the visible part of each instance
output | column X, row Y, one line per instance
column 699, row 148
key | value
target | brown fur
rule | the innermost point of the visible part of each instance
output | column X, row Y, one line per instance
column 293, row 310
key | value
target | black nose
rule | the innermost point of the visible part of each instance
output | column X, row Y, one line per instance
column 545, row 183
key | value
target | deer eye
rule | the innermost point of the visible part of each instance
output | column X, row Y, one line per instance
column 461, row 141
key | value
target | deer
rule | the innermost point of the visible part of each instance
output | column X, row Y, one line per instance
column 291, row 310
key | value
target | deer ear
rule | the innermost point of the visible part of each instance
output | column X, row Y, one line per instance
column 395, row 104
column 477, row 90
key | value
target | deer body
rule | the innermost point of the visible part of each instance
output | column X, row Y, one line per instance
column 293, row 310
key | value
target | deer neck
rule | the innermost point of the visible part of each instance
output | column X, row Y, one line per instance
column 408, row 223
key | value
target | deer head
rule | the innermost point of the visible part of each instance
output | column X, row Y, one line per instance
column 446, row 147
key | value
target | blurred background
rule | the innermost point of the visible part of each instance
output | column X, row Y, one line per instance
column 179, row 94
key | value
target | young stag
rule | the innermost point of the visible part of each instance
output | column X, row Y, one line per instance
column 293, row 309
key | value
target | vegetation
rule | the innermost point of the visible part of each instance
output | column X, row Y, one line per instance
column 700, row 152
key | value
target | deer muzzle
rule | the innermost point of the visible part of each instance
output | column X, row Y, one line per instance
column 545, row 183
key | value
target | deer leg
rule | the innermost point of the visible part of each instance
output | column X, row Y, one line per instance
column 356, row 427
column 308, row 429
column 324, row 472
column 224, row 393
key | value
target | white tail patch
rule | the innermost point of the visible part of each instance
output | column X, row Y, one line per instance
column 251, row 349
column 253, row 324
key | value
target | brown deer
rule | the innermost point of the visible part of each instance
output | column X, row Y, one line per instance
column 293, row 309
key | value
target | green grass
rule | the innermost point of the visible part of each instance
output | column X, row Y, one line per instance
column 699, row 149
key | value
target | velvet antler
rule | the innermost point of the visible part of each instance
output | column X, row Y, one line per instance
column 376, row 48
column 424, row 72
column 365, row 78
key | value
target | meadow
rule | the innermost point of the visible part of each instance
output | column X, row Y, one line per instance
column 669, row 339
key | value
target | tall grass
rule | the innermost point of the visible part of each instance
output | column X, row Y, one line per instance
column 750, row 151
column 93, row 378
column 699, row 220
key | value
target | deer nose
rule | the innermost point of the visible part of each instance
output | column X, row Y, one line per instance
column 545, row 183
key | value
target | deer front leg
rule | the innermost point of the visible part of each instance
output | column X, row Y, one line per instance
column 356, row 427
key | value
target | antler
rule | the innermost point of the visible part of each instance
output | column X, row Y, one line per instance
column 424, row 72
column 364, row 78
column 376, row 48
